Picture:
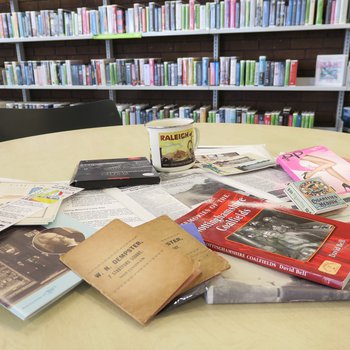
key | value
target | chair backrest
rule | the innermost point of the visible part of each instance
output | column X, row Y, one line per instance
column 17, row 123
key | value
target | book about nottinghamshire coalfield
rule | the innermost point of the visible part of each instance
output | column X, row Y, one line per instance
column 301, row 244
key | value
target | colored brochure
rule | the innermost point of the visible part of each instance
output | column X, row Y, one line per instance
column 234, row 160
column 318, row 161
column 31, row 274
column 12, row 212
column 301, row 244
column 12, row 190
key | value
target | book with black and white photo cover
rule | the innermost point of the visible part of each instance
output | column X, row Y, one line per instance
column 31, row 273
column 298, row 243
column 119, row 172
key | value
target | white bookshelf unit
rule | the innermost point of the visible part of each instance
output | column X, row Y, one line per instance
column 303, row 84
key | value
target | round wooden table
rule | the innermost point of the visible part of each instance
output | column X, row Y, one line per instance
column 83, row 319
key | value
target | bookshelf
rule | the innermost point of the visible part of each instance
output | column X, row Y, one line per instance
column 304, row 84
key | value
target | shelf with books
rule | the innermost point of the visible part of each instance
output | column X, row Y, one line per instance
column 138, row 35
column 45, row 38
column 300, row 28
column 206, row 28
column 310, row 88
column 103, row 87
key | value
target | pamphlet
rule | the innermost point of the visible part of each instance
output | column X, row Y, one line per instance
column 234, row 160
column 14, row 211
column 131, row 269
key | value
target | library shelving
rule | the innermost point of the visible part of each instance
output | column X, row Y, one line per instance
column 303, row 83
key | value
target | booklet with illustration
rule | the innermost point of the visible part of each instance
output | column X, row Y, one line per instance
column 31, row 274
column 314, row 196
column 318, row 161
column 135, row 272
column 291, row 241
column 234, row 159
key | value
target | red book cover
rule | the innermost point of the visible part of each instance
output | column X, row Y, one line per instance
column 293, row 72
column 301, row 244
column 267, row 119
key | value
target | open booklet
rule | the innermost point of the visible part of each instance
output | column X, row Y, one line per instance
column 234, row 159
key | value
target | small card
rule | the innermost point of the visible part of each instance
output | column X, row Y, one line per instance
column 132, row 270
column 314, row 196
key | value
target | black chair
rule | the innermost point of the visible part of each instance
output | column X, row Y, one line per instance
column 17, row 123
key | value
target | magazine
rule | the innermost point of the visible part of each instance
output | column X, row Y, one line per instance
column 291, row 241
column 31, row 274
column 317, row 161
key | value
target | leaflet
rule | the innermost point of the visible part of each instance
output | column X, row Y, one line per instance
column 15, row 211
column 11, row 190
column 97, row 208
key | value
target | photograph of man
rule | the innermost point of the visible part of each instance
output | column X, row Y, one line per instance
column 283, row 234
column 57, row 240
column 29, row 258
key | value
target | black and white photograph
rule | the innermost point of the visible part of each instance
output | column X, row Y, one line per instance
column 283, row 234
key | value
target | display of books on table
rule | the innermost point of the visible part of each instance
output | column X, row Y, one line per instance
column 276, row 254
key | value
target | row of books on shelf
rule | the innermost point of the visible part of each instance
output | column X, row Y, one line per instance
column 172, row 16
column 132, row 114
column 33, row 105
column 187, row 71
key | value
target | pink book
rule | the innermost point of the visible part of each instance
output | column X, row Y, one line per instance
column 192, row 14
column 151, row 71
column 120, row 21
column 232, row 13
column 317, row 161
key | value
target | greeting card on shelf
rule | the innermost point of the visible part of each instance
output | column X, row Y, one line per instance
column 331, row 70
